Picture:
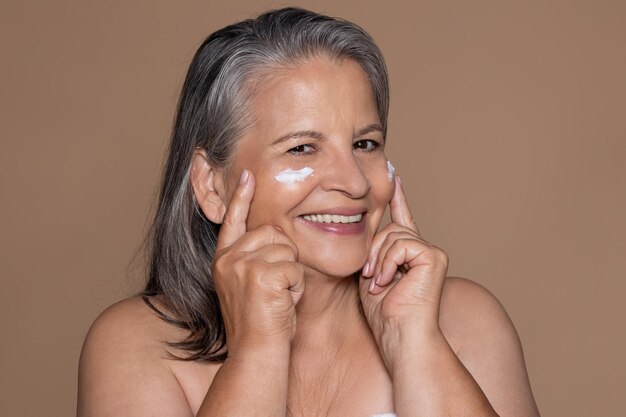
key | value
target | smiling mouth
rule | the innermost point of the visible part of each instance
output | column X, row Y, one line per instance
column 333, row 218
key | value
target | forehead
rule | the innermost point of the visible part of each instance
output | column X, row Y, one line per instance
column 319, row 94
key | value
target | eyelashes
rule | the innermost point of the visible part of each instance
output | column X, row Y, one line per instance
column 365, row 145
column 305, row 149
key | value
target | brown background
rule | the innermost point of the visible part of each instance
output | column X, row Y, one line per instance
column 507, row 126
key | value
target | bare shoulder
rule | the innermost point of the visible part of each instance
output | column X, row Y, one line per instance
column 125, row 329
column 469, row 311
column 123, row 366
column 484, row 339
column 129, row 318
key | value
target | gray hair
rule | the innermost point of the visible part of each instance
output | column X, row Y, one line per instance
column 213, row 114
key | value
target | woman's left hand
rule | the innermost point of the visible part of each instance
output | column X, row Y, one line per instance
column 402, row 281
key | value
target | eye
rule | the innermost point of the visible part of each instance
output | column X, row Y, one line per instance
column 304, row 149
column 367, row 145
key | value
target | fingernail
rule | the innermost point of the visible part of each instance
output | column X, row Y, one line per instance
column 244, row 177
column 366, row 269
column 372, row 285
column 377, row 280
column 399, row 180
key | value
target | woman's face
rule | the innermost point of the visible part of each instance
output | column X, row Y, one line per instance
column 316, row 148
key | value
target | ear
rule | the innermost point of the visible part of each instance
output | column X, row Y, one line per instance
column 207, row 183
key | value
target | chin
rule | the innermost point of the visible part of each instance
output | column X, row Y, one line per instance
column 338, row 266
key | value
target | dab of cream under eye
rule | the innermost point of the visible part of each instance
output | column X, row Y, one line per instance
column 390, row 171
column 291, row 176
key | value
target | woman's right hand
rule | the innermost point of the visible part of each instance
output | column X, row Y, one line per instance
column 257, row 278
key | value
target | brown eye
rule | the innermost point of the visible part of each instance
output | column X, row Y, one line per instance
column 366, row 145
column 301, row 149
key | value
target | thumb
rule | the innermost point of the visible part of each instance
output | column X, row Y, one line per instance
column 234, row 222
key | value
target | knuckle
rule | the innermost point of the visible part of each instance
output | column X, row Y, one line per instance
column 232, row 264
column 391, row 228
column 397, row 244
column 291, row 269
column 271, row 231
column 388, row 242
column 261, row 272
column 439, row 254
column 287, row 252
column 240, row 267
column 267, row 229
column 219, row 263
column 298, row 268
column 394, row 235
column 398, row 232
column 404, row 242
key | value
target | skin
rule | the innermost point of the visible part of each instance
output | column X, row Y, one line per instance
column 424, row 344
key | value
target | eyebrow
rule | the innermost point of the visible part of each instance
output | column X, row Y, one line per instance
column 299, row 134
column 374, row 127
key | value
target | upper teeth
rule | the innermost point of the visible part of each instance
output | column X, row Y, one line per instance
column 333, row 218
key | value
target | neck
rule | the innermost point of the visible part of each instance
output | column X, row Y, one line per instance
column 328, row 314
column 333, row 346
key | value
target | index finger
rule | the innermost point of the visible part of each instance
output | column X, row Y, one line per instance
column 234, row 222
column 399, row 208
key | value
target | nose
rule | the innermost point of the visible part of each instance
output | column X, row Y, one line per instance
column 345, row 174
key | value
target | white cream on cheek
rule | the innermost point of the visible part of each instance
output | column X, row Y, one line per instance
column 390, row 171
column 291, row 176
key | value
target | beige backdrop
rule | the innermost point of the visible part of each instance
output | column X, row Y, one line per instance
column 508, row 127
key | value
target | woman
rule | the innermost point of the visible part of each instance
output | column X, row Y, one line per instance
column 271, row 290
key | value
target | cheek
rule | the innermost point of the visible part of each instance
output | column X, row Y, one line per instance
column 262, row 203
column 290, row 177
column 381, row 180
column 277, row 191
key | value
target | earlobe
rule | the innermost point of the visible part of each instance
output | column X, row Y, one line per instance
column 206, row 181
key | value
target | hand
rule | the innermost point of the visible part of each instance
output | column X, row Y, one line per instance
column 402, row 281
column 257, row 278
